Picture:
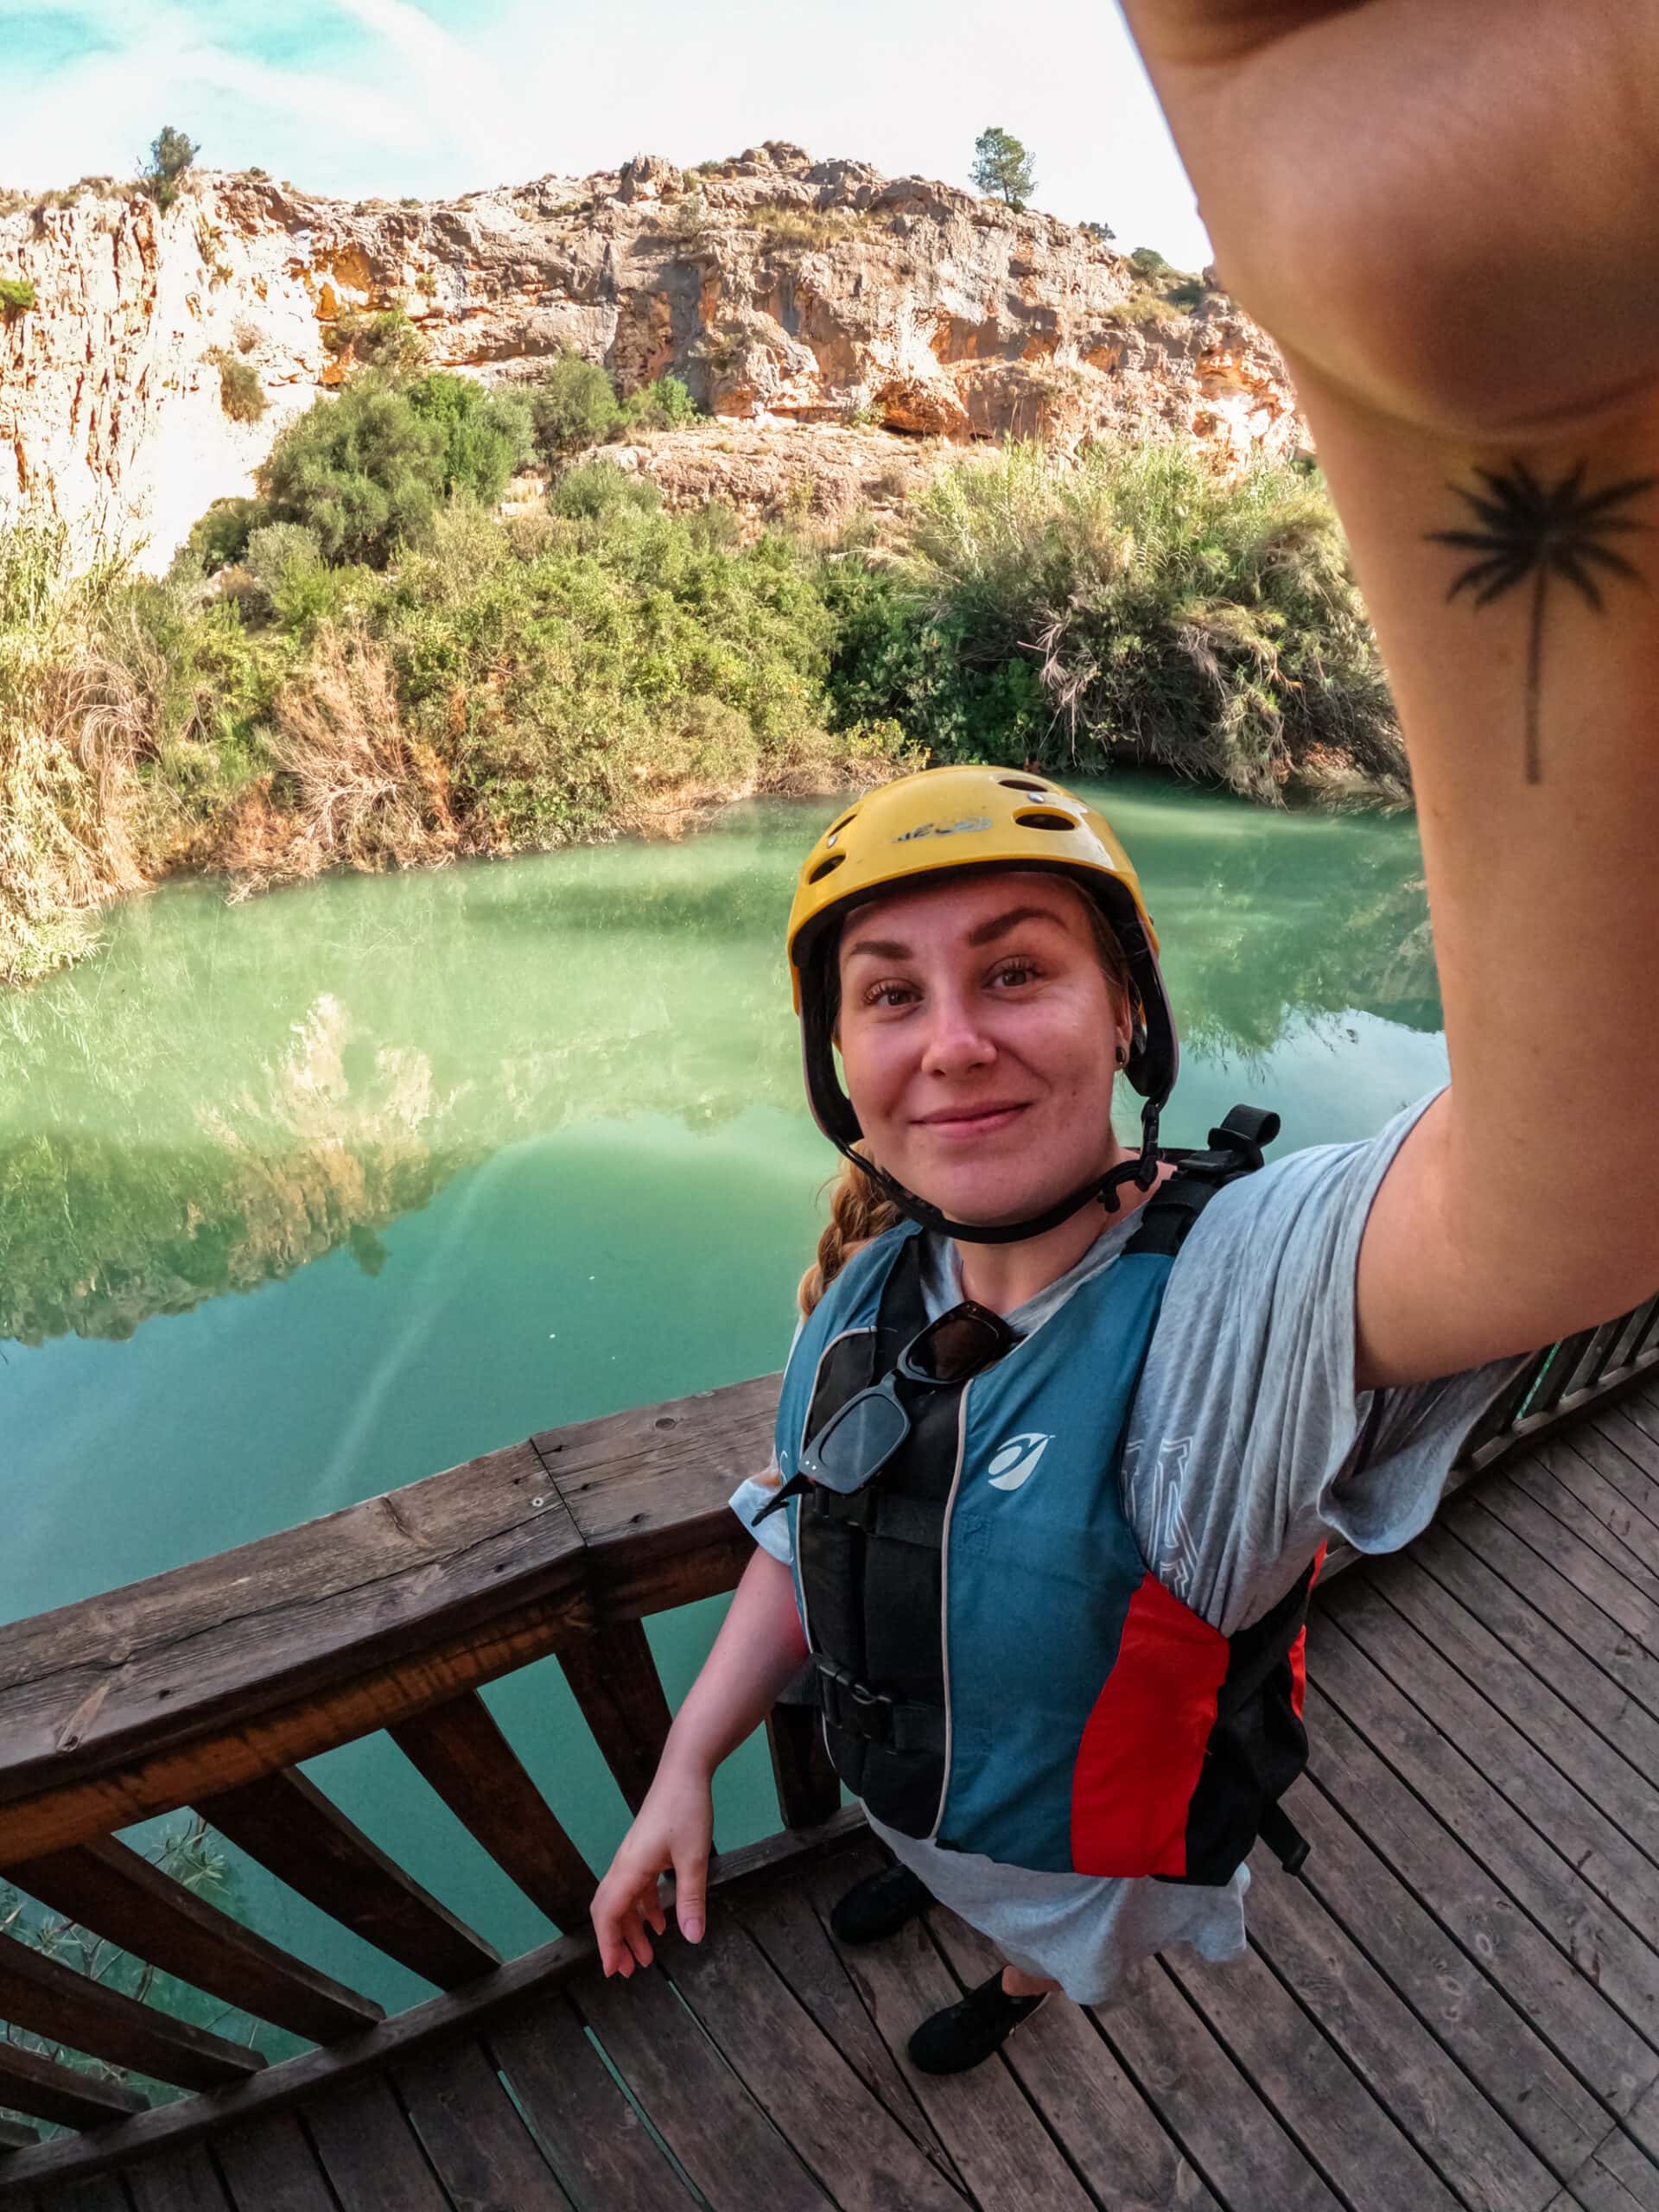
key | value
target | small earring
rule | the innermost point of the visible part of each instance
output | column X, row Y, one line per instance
column 1122, row 1055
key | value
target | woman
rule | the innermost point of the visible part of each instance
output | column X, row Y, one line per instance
column 1446, row 217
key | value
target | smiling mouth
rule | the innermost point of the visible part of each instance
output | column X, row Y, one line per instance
column 973, row 1120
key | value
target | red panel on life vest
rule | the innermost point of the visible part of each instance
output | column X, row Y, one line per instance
column 1143, row 1744
column 1299, row 1649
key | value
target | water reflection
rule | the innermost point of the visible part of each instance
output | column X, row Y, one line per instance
column 228, row 1094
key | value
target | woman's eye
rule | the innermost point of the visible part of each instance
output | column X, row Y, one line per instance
column 888, row 995
column 1014, row 972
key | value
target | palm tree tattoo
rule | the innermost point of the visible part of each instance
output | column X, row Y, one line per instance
column 1538, row 533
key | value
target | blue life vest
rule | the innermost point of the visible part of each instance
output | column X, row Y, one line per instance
column 997, row 1670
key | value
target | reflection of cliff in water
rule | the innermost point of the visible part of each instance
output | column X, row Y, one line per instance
column 228, row 1094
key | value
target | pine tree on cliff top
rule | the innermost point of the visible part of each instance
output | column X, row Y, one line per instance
column 1002, row 167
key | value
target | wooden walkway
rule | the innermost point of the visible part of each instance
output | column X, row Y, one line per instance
column 1456, row 2005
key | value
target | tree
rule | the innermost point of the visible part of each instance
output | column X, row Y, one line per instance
column 1103, row 233
column 170, row 153
column 574, row 405
column 1002, row 167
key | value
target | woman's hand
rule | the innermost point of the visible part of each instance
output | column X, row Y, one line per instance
column 674, row 1830
column 1444, row 212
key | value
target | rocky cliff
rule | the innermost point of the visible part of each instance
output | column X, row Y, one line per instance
column 787, row 293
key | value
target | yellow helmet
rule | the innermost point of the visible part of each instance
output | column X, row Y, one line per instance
column 955, row 819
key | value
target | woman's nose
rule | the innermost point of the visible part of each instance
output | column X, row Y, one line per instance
column 956, row 1038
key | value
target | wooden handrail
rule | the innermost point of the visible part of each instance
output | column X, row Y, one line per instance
column 205, row 1686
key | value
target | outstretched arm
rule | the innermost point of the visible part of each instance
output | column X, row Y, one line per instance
column 1447, row 217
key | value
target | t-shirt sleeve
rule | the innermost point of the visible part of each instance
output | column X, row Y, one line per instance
column 752, row 1496
column 1248, row 1445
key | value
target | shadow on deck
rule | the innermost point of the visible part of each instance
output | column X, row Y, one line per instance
column 1457, row 2003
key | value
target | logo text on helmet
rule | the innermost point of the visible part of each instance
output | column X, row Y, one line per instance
column 943, row 829
column 1014, row 1460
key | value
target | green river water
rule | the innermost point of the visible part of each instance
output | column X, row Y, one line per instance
column 312, row 1195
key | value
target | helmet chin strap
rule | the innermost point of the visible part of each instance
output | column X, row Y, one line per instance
column 1141, row 1172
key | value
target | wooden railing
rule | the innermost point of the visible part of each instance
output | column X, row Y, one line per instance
column 207, row 1686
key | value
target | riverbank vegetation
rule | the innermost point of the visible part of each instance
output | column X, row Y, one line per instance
column 376, row 663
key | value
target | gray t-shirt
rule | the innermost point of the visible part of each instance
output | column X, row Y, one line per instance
column 1247, row 1448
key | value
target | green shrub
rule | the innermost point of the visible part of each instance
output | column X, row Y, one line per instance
column 278, row 550
column 241, row 394
column 599, row 487
column 387, row 342
column 220, row 536
column 662, row 404
column 487, row 435
column 1132, row 605
column 1146, row 261
column 364, row 471
column 574, row 405
column 170, row 155
column 17, row 295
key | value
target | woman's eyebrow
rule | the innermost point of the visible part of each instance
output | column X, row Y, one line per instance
column 888, row 948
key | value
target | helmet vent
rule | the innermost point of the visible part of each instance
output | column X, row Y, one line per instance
column 826, row 867
column 835, row 828
column 1033, row 818
column 1022, row 783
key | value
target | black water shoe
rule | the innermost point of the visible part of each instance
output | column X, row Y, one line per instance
column 879, row 1905
column 966, row 2033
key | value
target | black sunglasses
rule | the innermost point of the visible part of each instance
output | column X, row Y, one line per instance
column 855, row 1443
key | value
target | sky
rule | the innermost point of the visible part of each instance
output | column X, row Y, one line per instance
column 384, row 98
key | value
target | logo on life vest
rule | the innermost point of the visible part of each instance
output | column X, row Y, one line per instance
column 1015, row 1461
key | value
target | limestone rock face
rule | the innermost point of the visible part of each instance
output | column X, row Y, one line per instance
column 783, row 290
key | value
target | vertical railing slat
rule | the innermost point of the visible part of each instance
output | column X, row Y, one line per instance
column 613, row 1679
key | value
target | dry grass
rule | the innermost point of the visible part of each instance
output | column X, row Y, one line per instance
column 368, row 795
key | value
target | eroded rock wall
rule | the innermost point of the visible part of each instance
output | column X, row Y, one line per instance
column 782, row 289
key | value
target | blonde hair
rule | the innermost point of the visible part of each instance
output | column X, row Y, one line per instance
column 859, row 1211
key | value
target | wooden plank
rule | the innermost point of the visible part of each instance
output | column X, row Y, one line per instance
column 31, row 2082
column 1444, row 1862
column 1615, row 2177
column 653, row 1482
column 614, row 1681
column 212, row 1642
column 49, row 1998
column 1600, row 1811
column 119, row 1895
column 1545, row 1652
column 723, row 2139
column 861, row 2156
column 104, row 2194
column 803, row 1773
column 998, row 2145
column 594, row 2135
column 439, row 2018
column 1640, row 1408
column 461, row 1751
column 1533, row 1868
column 14, row 2135
column 1443, row 1980
column 1582, row 1563
column 1338, row 2124
column 1109, row 2131
column 797, row 1942
column 1626, row 1454
column 298, row 1835
column 1541, row 1580
column 481, row 2149
column 370, row 2153
column 1223, row 2126
column 1490, row 1433
column 184, row 2182
column 1559, row 1372
column 268, row 2165
column 1568, row 1485
column 1425, row 2092
column 1600, row 1853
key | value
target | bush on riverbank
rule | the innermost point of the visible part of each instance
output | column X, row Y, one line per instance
column 1130, row 606
column 351, row 686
